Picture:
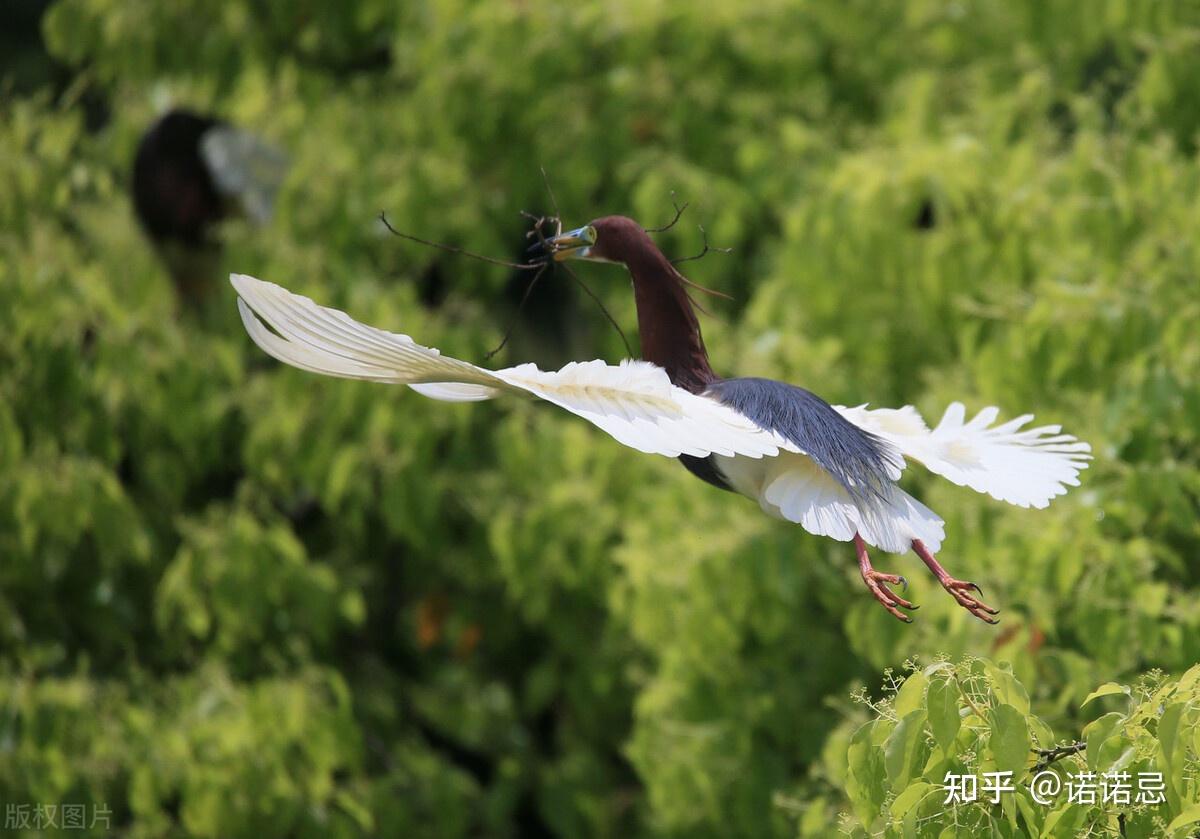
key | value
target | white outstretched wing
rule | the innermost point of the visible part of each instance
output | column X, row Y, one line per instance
column 1025, row 468
column 634, row 402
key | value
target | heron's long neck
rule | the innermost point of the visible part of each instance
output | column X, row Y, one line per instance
column 668, row 326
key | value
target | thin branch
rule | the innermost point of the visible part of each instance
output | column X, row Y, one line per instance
column 541, row 265
column 536, row 229
column 545, row 252
column 553, row 200
column 1049, row 756
column 962, row 690
column 590, row 294
column 695, row 285
column 678, row 212
column 520, row 308
column 704, row 252
column 527, row 266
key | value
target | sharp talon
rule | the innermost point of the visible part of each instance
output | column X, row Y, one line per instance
column 903, row 584
column 957, row 588
column 897, row 614
column 978, row 610
column 878, row 584
column 890, row 600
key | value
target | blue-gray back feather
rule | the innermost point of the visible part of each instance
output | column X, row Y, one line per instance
column 857, row 459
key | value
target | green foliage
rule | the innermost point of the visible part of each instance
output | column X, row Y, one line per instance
column 973, row 717
column 241, row 600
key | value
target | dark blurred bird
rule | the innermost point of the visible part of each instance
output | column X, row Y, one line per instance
column 833, row 470
column 191, row 172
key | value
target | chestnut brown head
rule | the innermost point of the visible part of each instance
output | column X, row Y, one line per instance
column 607, row 239
column 667, row 325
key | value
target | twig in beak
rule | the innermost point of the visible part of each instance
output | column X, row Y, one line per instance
column 526, row 266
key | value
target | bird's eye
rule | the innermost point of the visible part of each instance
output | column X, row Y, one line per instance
column 589, row 233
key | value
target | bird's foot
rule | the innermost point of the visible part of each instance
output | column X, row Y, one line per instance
column 888, row 598
column 876, row 581
column 959, row 589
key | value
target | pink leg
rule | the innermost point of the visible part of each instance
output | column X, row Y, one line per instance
column 874, row 579
column 958, row 588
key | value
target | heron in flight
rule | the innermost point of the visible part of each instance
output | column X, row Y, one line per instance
column 831, row 469
column 191, row 172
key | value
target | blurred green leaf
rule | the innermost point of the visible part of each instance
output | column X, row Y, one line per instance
column 1009, row 742
column 904, row 750
column 1107, row 689
column 944, row 717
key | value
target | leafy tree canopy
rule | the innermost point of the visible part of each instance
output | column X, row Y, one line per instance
column 241, row 600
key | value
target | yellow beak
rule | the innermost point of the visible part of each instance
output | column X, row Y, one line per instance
column 574, row 244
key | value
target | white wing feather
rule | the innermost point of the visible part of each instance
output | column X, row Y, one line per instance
column 455, row 391
column 1025, row 468
column 634, row 402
